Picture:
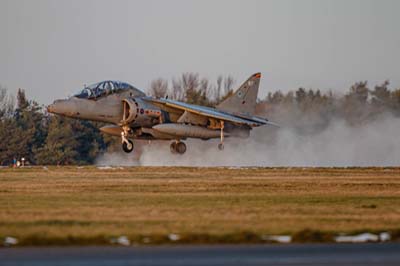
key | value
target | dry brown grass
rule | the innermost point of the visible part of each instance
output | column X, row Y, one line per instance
column 90, row 203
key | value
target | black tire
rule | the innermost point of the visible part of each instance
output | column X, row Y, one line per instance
column 127, row 147
column 221, row 147
column 180, row 147
column 172, row 147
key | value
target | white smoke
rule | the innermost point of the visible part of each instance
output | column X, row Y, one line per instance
column 372, row 144
column 117, row 159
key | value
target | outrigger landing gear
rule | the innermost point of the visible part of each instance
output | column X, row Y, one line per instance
column 127, row 145
column 178, row 147
column 221, row 144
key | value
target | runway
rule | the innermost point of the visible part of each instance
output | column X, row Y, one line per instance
column 221, row 255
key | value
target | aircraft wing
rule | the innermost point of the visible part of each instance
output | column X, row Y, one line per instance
column 209, row 112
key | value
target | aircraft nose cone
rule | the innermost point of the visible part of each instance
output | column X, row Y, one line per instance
column 50, row 108
column 57, row 107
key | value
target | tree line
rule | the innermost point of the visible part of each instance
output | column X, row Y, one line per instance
column 28, row 131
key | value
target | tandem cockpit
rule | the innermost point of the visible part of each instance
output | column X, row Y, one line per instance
column 107, row 87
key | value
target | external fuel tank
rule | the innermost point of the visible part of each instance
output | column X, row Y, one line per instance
column 190, row 131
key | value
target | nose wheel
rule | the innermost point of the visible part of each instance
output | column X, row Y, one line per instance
column 127, row 144
column 178, row 147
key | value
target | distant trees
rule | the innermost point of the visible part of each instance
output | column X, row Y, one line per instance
column 60, row 146
column 191, row 88
column 16, row 129
column 26, row 130
column 6, row 103
column 311, row 111
column 159, row 88
column 12, row 140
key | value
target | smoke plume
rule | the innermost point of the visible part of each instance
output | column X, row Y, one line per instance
column 375, row 143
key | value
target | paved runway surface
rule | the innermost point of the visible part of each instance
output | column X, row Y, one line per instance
column 319, row 254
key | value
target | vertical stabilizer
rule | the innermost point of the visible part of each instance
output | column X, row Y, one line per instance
column 243, row 101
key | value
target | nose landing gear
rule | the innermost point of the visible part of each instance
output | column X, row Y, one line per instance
column 127, row 144
column 178, row 147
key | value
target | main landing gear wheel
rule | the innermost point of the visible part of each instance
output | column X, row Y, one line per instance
column 127, row 146
column 178, row 147
column 221, row 147
column 172, row 147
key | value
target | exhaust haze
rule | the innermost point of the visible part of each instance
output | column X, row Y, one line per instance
column 339, row 144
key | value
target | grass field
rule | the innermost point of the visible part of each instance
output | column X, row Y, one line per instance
column 71, row 205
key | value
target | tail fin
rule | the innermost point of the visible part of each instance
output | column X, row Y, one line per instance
column 243, row 101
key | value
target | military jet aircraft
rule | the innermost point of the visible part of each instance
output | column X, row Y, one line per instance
column 133, row 115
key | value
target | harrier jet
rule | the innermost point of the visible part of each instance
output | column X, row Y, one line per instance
column 133, row 115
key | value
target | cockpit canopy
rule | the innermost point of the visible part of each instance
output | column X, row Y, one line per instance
column 106, row 88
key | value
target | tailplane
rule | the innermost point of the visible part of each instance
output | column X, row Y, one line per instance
column 243, row 101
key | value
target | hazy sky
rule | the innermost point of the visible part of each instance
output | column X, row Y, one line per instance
column 52, row 48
